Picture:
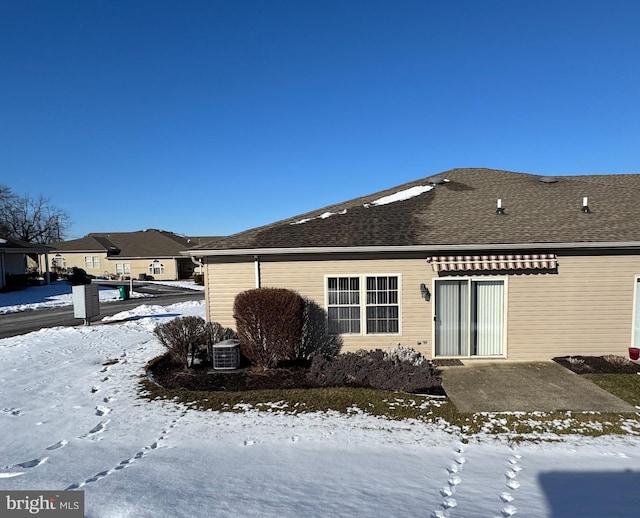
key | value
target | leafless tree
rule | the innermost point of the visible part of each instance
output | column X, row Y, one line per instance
column 33, row 220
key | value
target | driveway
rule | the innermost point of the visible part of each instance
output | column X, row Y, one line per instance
column 525, row 387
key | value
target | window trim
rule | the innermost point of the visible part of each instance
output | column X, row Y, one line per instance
column 126, row 269
column 95, row 262
column 363, row 305
column 152, row 267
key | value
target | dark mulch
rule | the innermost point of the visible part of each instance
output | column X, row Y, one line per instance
column 597, row 365
column 171, row 375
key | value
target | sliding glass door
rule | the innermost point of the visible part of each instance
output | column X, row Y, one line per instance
column 469, row 317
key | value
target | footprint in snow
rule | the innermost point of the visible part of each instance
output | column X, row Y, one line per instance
column 454, row 481
column 513, row 484
column 31, row 463
column 508, row 510
column 446, row 491
column 58, row 445
column 448, row 503
column 102, row 410
column 100, row 427
column 506, row 497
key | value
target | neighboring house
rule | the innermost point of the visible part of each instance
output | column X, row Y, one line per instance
column 154, row 253
column 472, row 263
column 14, row 257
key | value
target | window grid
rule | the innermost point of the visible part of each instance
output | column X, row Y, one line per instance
column 123, row 268
column 343, row 305
column 156, row 268
column 91, row 261
column 382, row 305
column 348, row 300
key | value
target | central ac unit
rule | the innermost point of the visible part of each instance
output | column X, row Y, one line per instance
column 226, row 354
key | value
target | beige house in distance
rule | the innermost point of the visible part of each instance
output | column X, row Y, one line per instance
column 15, row 257
column 153, row 253
column 471, row 263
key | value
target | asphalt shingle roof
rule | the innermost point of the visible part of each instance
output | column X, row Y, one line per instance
column 143, row 243
column 463, row 211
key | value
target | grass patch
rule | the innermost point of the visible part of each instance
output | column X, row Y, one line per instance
column 517, row 426
column 624, row 386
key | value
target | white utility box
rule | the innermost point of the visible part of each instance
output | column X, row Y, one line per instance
column 86, row 302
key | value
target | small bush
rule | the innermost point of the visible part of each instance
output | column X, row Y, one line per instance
column 198, row 278
column 269, row 323
column 404, row 353
column 183, row 336
column 373, row 369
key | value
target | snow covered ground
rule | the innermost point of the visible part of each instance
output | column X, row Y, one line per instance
column 71, row 418
column 59, row 294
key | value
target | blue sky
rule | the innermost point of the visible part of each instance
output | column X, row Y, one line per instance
column 212, row 117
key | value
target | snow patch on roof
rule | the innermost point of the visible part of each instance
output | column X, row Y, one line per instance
column 406, row 194
column 324, row 215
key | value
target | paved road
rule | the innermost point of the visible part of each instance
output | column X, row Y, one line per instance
column 27, row 321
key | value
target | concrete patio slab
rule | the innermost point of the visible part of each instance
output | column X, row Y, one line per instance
column 525, row 387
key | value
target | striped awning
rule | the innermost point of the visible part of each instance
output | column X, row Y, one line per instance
column 466, row 263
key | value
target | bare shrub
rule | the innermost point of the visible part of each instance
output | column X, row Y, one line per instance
column 182, row 336
column 370, row 369
column 574, row 360
column 269, row 323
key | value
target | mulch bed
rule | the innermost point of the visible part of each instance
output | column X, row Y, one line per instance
column 171, row 375
column 597, row 365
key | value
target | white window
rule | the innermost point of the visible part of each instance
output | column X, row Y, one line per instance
column 123, row 268
column 156, row 268
column 91, row 262
column 58, row 262
column 363, row 302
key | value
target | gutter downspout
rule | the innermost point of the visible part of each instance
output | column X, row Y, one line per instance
column 256, row 262
column 197, row 263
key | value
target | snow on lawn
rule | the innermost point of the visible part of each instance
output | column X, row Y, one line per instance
column 71, row 418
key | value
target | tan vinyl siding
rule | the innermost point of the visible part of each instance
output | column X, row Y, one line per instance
column 223, row 282
column 584, row 309
column 108, row 265
column 308, row 279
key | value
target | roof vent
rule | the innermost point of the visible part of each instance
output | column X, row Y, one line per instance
column 548, row 179
column 437, row 180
